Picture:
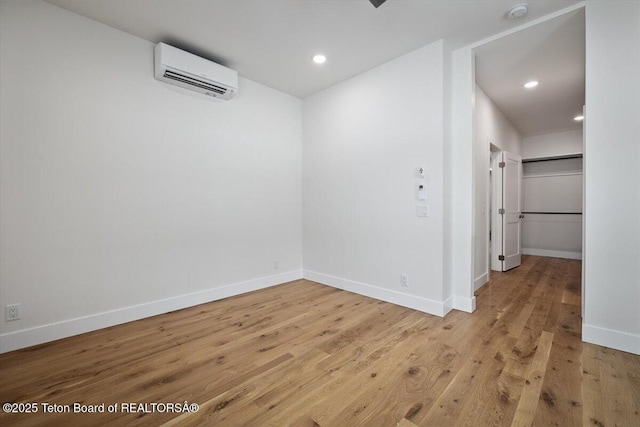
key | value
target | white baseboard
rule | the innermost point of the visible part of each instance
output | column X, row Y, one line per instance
column 552, row 254
column 480, row 281
column 610, row 338
column 448, row 304
column 425, row 305
column 464, row 304
column 54, row 331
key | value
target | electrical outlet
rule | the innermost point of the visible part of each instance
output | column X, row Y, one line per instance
column 404, row 279
column 12, row 312
column 276, row 264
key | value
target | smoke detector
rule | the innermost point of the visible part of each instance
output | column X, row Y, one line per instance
column 518, row 11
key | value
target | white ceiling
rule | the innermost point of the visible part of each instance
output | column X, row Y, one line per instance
column 553, row 53
column 272, row 41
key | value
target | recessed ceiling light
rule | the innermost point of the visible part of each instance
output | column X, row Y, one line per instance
column 578, row 118
column 319, row 59
column 531, row 84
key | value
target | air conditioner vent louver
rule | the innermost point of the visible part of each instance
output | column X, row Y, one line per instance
column 195, row 82
column 192, row 72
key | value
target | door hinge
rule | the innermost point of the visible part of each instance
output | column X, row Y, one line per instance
column 501, row 164
column 501, row 211
column 500, row 257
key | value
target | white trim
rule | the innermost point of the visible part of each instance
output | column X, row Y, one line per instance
column 584, row 217
column 425, row 305
column 54, row 331
column 546, row 175
column 528, row 25
column 464, row 304
column 462, row 251
column 448, row 304
column 552, row 254
column 480, row 281
column 613, row 339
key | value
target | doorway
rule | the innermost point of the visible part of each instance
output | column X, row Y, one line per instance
column 514, row 114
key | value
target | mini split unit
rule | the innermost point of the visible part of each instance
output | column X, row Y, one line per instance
column 180, row 68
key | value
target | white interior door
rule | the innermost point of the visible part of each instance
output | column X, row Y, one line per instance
column 495, row 217
column 511, row 210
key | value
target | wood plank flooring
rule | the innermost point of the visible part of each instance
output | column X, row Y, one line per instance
column 304, row 354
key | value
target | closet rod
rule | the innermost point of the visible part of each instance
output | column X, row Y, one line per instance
column 553, row 213
column 548, row 159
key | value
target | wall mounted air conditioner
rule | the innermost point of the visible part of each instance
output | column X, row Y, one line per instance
column 192, row 72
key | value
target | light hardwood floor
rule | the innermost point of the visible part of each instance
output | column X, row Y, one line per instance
column 305, row 354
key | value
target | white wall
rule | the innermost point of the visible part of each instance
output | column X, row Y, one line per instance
column 552, row 144
column 558, row 236
column 612, row 159
column 121, row 196
column 363, row 145
column 491, row 127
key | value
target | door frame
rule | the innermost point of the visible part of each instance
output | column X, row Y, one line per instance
column 461, row 156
